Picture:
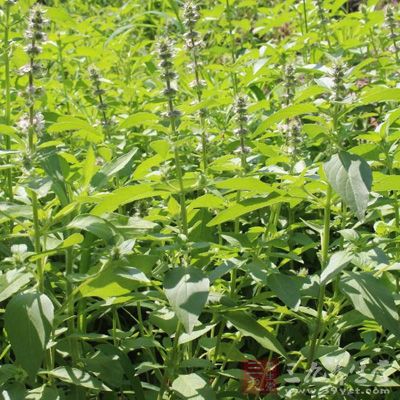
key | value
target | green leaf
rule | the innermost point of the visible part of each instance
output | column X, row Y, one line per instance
column 248, row 326
column 12, row 281
column 371, row 298
column 286, row 287
column 193, row 387
column 138, row 119
column 351, row 177
column 125, row 195
column 28, row 321
column 250, row 184
column 286, row 113
column 385, row 183
column 71, row 124
column 337, row 262
column 101, row 178
column 249, row 205
column 43, row 393
column 89, row 167
column 97, row 226
column 207, row 201
column 13, row 391
column 113, row 280
column 380, row 94
column 78, row 377
column 187, row 292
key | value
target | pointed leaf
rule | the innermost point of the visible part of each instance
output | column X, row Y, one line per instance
column 248, row 326
column 187, row 292
column 371, row 298
column 351, row 177
column 337, row 263
column 193, row 386
column 28, row 322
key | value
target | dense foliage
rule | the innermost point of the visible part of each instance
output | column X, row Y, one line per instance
column 189, row 187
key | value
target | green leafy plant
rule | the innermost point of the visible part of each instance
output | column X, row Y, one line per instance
column 190, row 188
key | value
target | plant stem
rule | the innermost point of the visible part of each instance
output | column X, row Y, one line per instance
column 6, row 50
column 36, row 240
column 324, row 260
column 305, row 16
column 199, row 98
column 182, row 197
column 171, row 365
column 62, row 73
column 233, row 45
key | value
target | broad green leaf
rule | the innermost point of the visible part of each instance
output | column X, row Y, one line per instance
column 78, row 377
column 207, row 201
column 101, row 178
column 187, row 292
column 249, row 205
column 250, row 184
column 8, row 372
column 385, row 183
column 380, row 94
column 162, row 148
column 12, row 281
column 335, row 360
column 13, row 391
column 125, row 195
column 351, row 177
column 371, row 298
column 196, row 333
column 113, row 280
column 286, row 113
column 144, row 168
column 97, row 226
column 28, row 321
column 12, row 211
column 89, row 167
column 193, row 387
column 70, row 241
column 286, row 287
column 71, row 124
column 11, row 132
column 138, row 119
column 337, row 262
column 248, row 326
column 57, row 170
column 43, row 393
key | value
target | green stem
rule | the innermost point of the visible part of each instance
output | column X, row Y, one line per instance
column 36, row 240
column 178, row 167
column 9, row 185
column 324, row 260
column 62, row 73
column 233, row 45
column 199, row 98
column 171, row 364
column 305, row 16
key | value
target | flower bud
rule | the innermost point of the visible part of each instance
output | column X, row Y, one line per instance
column 190, row 14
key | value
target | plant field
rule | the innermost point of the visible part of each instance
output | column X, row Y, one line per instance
column 199, row 200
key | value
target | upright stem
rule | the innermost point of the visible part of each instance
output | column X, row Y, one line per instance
column 172, row 362
column 178, row 167
column 233, row 45
column 305, row 16
column 324, row 260
column 62, row 73
column 199, row 98
column 7, row 111
column 35, row 202
column 36, row 240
